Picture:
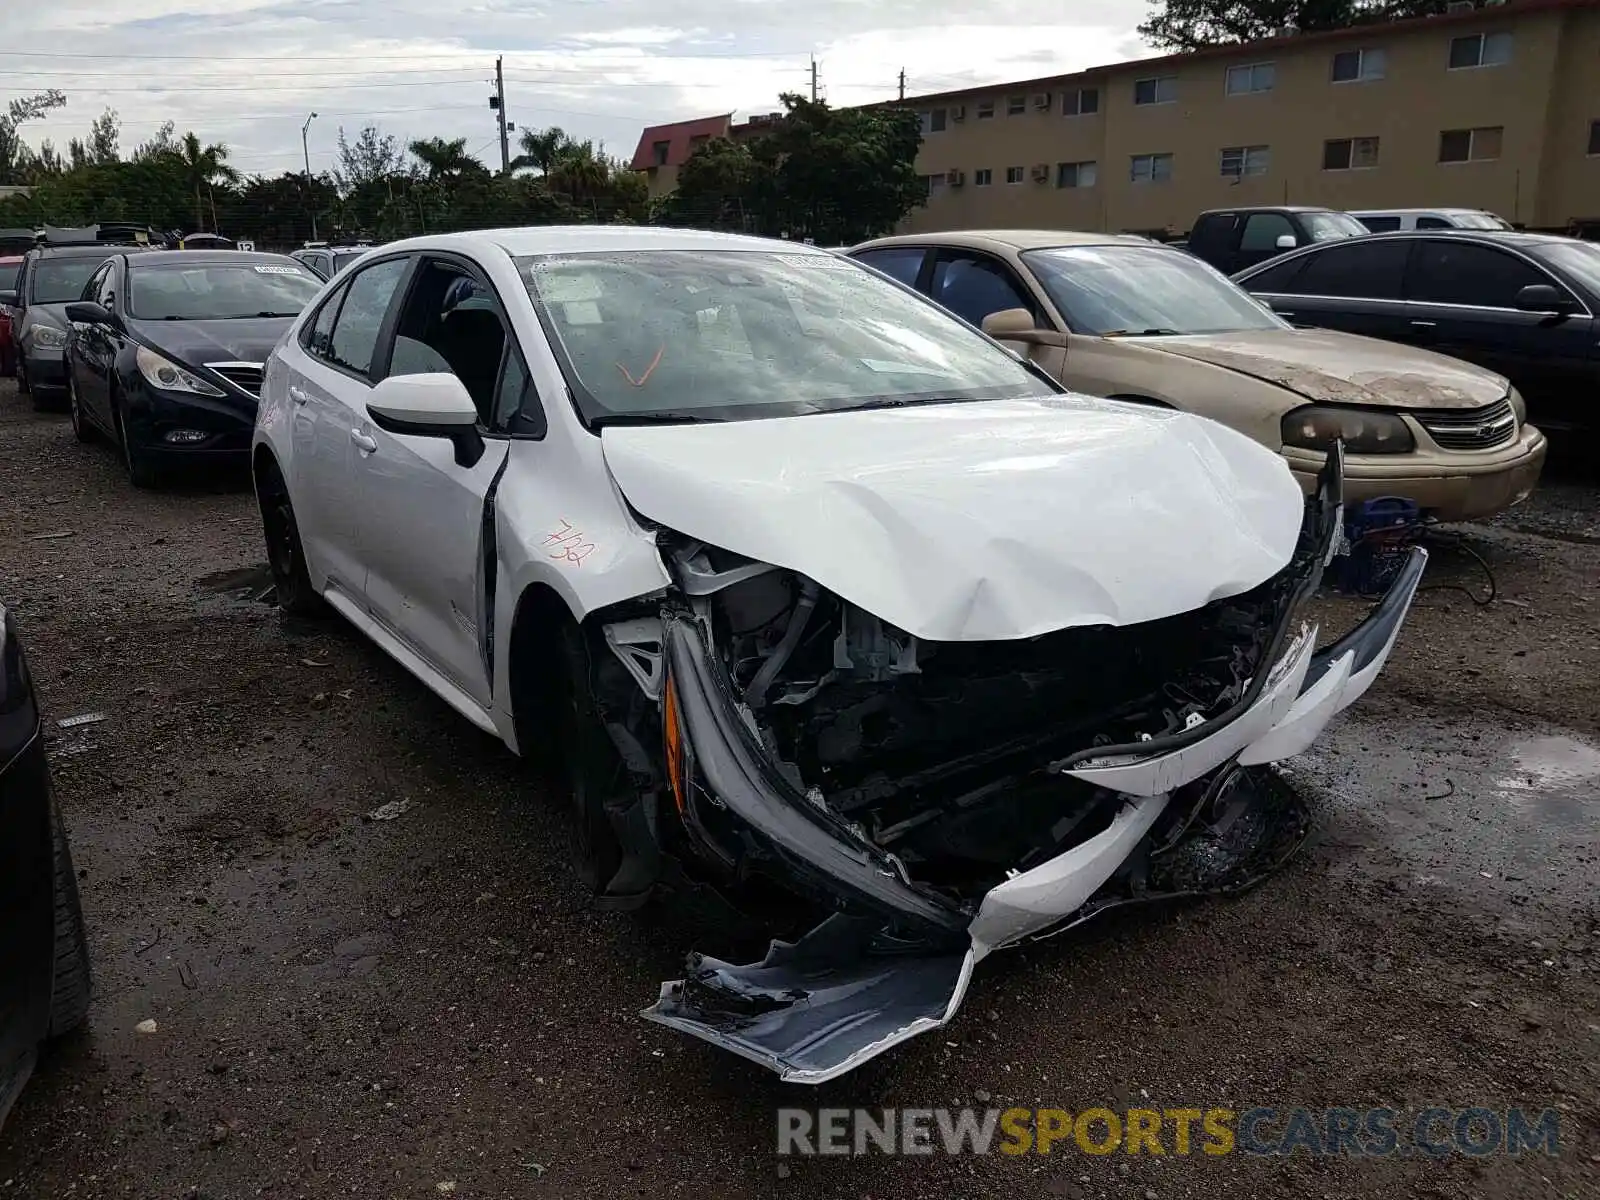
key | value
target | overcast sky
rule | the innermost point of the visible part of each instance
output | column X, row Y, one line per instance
column 247, row 72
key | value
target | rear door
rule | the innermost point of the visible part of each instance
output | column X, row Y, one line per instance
column 420, row 511
column 1215, row 239
column 1354, row 285
column 1463, row 301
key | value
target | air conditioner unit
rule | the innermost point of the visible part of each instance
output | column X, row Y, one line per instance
column 955, row 178
column 1041, row 101
column 958, row 112
column 1041, row 172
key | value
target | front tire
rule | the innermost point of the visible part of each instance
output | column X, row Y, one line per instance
column 69, row 990
column 81, row 429
column 286, row 556
column 595, row 773
column 140, row 473
column 22, row 377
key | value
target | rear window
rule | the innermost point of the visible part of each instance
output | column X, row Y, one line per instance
column 60, row 280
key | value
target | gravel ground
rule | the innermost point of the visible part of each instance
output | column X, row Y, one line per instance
column 427, row 1006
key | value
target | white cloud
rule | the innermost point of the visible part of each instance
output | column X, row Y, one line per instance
column 247, row 72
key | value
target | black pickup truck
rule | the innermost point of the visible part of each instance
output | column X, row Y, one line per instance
column 1231, row 239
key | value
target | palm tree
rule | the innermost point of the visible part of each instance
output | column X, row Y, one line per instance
column 579, row 171
column 202, row 167
column 541, row 149
column 444, row 160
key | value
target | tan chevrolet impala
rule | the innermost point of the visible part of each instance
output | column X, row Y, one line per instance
column 1124, row 317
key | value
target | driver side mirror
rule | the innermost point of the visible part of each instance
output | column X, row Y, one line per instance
column 1287, row 241
column 88, row 312
column 1544, row 298
column 1016, row 325
column 434, row 405
column 9, row 298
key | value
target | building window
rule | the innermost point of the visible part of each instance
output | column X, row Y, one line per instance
column 936, row 183
column 1077, row 175
column 1470, row 145
column 659, row 152
column 1150, row 168
column 982, row 177
column 1080, row 102
column 1359, row 66
column 1255, row 77
column 1239, row 161
column 1594, row 137
column 1480, row 50
column 985, row 110
column 1016, row 105
column 936, row 120
column 1163, row 90
column 698, row 140
column 1350, row 154
column 1014, row 174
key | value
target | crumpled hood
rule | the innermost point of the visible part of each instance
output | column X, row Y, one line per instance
column 982, row 521
column 248, row 339
column 1342, row 368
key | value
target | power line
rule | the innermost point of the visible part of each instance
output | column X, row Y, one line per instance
column 409, row 57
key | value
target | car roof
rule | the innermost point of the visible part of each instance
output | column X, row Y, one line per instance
column 1014, row 239
column 1283, row 208
column 177, row 259
column 1406, row 212
column 578, row 239
column 1505, row 237
column 101, row 249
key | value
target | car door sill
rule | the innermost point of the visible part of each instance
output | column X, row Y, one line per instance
column 348, row 608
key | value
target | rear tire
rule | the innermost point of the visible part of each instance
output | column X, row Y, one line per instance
column 286, row 556
column 69, row 990
column 81, row 429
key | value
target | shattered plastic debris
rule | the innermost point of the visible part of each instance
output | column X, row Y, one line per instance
column 148, row 1025
column 50, row 537
column 389, row 811
column 82, row 719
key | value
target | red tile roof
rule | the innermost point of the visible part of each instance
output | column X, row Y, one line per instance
column 678, row 137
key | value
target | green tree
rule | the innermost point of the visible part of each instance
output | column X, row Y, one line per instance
column 541, row 148
column 1193, row 24
column 15, row 157
column 445, row 159
column 714, row 186
column 204, row 166
column 371, row 158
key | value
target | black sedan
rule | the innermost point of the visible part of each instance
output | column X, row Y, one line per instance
column 167, row 352
column 44, row 959
column 1524, row 305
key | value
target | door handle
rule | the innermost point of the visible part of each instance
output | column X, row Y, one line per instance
column 363, row 443
column 298, row 395
column 1425, row 324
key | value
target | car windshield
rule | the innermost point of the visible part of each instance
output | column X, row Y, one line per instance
column 1581, row 260
column 1113, row 291
column 59, row 280
column 1331, row 226
column 684, row 335
column 219, row 291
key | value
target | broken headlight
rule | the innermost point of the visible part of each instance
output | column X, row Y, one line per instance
column 1363, row 430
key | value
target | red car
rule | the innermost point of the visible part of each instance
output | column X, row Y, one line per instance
column 10, row 271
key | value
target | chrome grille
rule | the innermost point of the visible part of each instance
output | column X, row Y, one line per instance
column 1470, row 428
column 245, row 375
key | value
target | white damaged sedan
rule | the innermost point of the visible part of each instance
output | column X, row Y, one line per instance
column 827, row 602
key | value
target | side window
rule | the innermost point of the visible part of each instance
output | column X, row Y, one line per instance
column 1213, row 233
column 1380, row 224
column 1276, row 277
column 1262, row 231
column 366, row 303
column 317, row 333
column 1468, row 273
column 1370, row 270
column 1433, row 223
column 897, row 262
column 451, row 322
column 972, row 287
column 516, row 405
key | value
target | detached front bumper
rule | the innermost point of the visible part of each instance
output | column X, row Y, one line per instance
column 898, row 960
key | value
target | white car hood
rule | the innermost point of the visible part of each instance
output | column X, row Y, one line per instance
column 981, row 521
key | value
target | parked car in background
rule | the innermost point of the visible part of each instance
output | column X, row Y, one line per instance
column 328, row 261
column 1393, row 220
column 1124, row 318
column 167, row 352
column 52, row 277
column 1521, row 304
column 819, row 592
column 10, row 273
column 1231, row 239
column 44, row 956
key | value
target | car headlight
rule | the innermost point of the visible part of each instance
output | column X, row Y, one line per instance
column 168, row 376
column 1363, row 431
column 48, row 337
column 1518, row 406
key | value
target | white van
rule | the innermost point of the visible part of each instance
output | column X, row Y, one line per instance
column 1388, row 220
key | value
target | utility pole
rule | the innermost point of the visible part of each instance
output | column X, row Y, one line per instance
column 902, row 83
column 498, row 103
column 813, row 79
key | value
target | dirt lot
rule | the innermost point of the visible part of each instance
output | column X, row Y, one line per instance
column 378, row 1009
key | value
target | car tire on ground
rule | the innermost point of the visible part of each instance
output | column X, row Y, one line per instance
column 69, row 990
column 594, row 771
column 140, row 473
column 81, row 429
column 286, row 556
column 22, row 377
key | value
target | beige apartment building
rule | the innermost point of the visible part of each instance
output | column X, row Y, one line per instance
column 1493, row 106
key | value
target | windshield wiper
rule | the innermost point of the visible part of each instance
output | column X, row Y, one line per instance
column 905, row 401
column 278, row 314
column 1155, row 331
column 661, row 417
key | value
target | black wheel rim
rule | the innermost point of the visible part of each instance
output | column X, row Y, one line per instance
column 278, row 520
column 72, row 402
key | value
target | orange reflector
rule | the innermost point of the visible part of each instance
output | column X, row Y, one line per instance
column 673, row 736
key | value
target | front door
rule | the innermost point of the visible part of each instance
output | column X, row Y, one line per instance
column 974, row 285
